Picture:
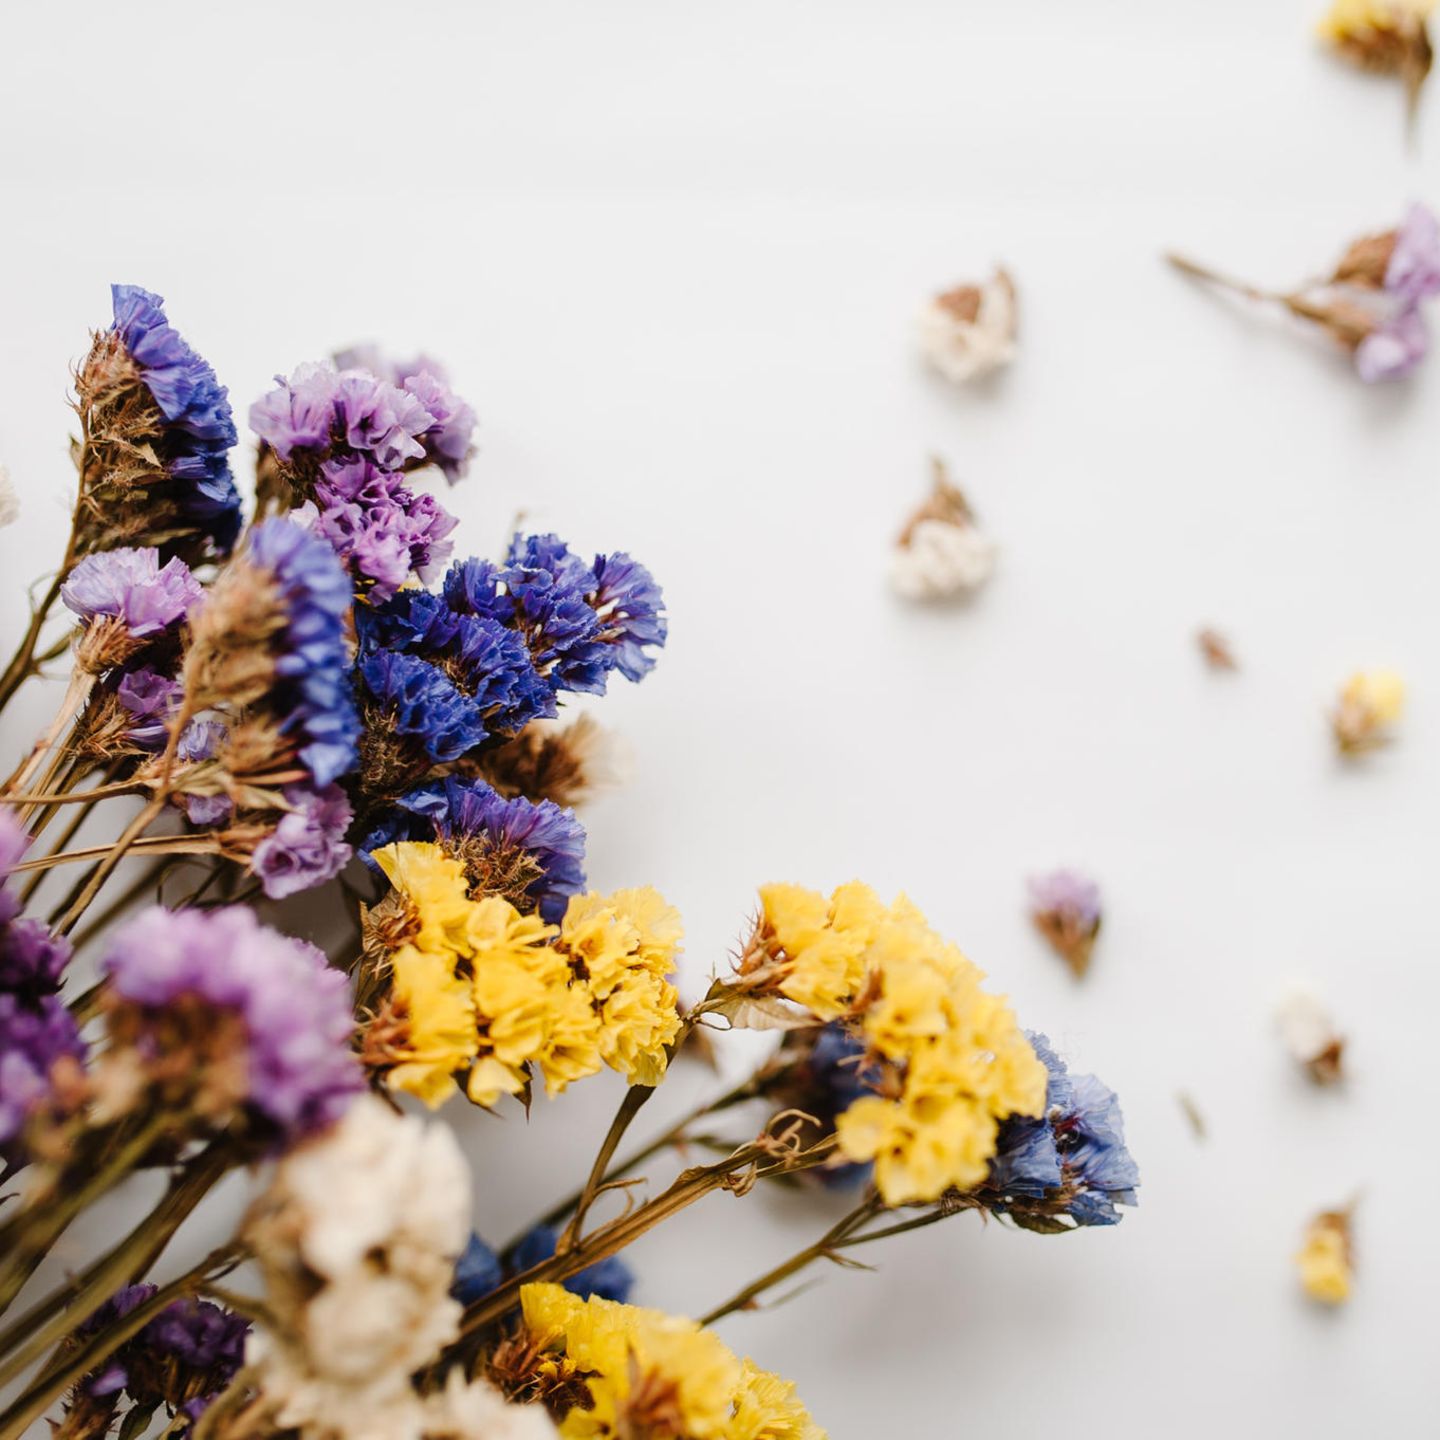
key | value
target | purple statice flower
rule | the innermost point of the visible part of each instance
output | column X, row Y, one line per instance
column 199, row 427
column 1071, row 1163
column 631, row 608
column 293, row 1008
column 384, row 530
column 132, row 586
column 35, row 1033
column 307, row 846
column 151, row 700
column 610, row 1279
column 462, row 812
column 32, row 960
column 181, row 1359
column 1395, row 347
column 1413, row 271
column 312, row 668
column 299, row 414
column 420, row 702
column 448, row 440
column 1065, row 907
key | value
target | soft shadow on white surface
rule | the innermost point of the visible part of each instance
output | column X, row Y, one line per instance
column 672, row 253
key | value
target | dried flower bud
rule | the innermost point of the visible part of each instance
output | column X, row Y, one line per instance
column 1310, row 1036
column 568, row 763
column 1065, row 907
column 1216, row 650
column 1384, row 37
column 1371, row 702
column 1366, row 262
column 941, row 554
column 9, row 499
column 1326, row 1260
column 970, row 331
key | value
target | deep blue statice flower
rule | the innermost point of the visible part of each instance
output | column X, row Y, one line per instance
column 181, row 1359
column 610, row 1279
column 464, row 813
column 199, row 427
column 293, row 1012
column 631, row 610
column 478, row 1271
column 313, row 665
column 1070, row 1162
column 487, row 663
column 419, row 701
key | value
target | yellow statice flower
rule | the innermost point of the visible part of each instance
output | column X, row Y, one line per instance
column 1324, row 1259
column 1355, row 20
column 624, row 946
column 1371, row 702
column 439, row 1024
column 653, row 1373
column 435, row 885
column 817, row 945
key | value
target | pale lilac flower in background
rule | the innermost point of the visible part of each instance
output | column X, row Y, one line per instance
column 308, row 846
column 132, row 586
column 1065, row 907
column 1395, row 348
column 1414, row 269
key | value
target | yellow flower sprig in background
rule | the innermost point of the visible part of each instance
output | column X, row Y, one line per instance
column 1385, row 37
column 1369, row 706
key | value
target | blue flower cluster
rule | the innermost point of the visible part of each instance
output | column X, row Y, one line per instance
column 480, row 1270
column 313, row 668
column 1072, row 1162
column 199, row 428
column 470, row 812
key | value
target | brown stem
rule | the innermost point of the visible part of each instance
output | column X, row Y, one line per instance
column 22, row 663
column 82, row 682
column 1213, row 277
column 98, row 876
column 151, row 845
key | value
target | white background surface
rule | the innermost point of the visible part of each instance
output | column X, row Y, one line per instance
column 672, row 251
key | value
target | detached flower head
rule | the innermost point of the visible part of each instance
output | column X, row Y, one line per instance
column 1310, row 1036
column 1326, row 1260
column 941, row 553
column 1385, row 37
column 9, row 499
column 1369, row 706
column 1065, row 907
column 970, row 331
column 232, row 1020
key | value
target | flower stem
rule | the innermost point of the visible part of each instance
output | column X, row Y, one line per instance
column 98, row 876
column 22, row 663
column 1197, row 271
column 77, row 692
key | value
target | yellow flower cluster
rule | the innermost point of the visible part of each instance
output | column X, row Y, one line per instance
column 656, row 1374
column 489, row 993
column 956, row 1061
column 1324, row 1259
column 1357, row 20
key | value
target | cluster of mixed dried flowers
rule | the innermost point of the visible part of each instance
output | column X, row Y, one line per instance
column 258, row 703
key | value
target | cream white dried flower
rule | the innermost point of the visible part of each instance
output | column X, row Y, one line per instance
column 941, row 552
column 356, row 1238
column 1310, row 1036
column 970, row 330
column 478, row 1411
column 9, row 499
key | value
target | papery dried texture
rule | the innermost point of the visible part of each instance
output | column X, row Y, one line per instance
column 214, row 1015
column 641, row 1372
column 357, row 1238
column 307, row 845
column 1065, row 907
column 156, row 434
column 1309, row 1034
column 9, row 499
column 1370, row 704
column 941, row 554
column 1216, row 650
column 1070, row 1166
column 1385, row 37
column 971, row 330
column 567, row 763
column 1326, row 1259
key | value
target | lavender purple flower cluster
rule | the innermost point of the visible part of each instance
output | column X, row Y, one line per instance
column 1412, row 275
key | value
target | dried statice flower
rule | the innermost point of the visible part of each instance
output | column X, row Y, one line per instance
column 1385, row 37
column 181, row 1359
column 38, row 1037
column 1070, row 1167
column 1326, row 1259
column 1310, row 1036
column 532, row 854
column 610, row 1279
column 156, row 434
column 568, row 763
column 234, row 1022
column 357, row 1239
column 125, row 598
column 1369, row 705
column 307, row 845
column 941, row 553
column 9, row 499
column 1065, row 907
column 449, row 441
column 1371, row 304
column 970, row 331
column 1215, row 649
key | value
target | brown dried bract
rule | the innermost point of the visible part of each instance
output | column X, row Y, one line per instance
column 1216, row 650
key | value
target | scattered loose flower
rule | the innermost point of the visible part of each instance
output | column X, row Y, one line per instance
column 1215, row 648
column 1065, row 907
column 1310, row 1036
column 9, row 499
column 1369, row 706
column 1385, row 37
column 941, row 553
column 970, row 331
column 1326, row 1260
